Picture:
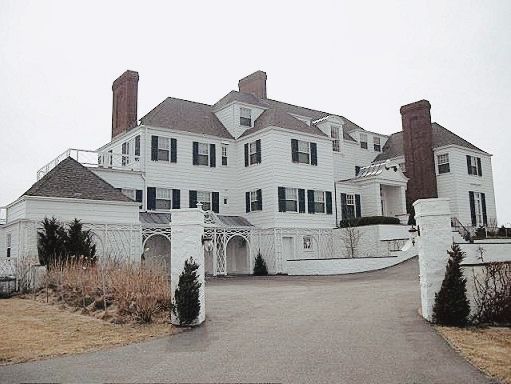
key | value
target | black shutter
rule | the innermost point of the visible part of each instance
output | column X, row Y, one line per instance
column 472, row 208
column 137, row 145
column 259, row 194
column 282, row 199
column 195, row 153
column 192, row 199
column 216, row 201
column 483, row 206
column 310, row 200
column 358, row 208
column 247, row 201
column 212, row 156
column 343, row 206
column 357, row 170
column 469, row 168
column 138, row 195
column 314, row 154
column 173, row 150
column 154, row 148
column 151, row 198
column 301, row 200
column 328, row 197
column 176, row 199
column 246, row 155
column 479, row 168
column 294, row 150
column 258, row 151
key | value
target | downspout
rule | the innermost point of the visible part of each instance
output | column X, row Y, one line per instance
column 335, row 200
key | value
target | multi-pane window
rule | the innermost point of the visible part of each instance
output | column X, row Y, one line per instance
column 203, row 154
column 204, row 197
column 478, row 208
column 350, row 202
column 363, row 140
column 336, row 146
column 291, row 199
column 443, row 163
column 224, row 154
column 319, row 201
column 245, row 117
column 307, row 243
column 137, row 148
column 254, row 204
column 131, row 193
column 163, row 198
column 125, row 153
column 163, row 148
column 253, row 152
column 303, row 152
column 9, row 244
column 377, row 144
column 474, row 165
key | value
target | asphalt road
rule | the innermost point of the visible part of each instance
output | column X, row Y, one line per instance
column 342, row 329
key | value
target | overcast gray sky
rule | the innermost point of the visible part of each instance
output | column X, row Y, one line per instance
column 359, row 59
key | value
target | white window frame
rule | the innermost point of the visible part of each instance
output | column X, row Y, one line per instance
column 350, row 200
column 203, row 154
column 252, row 153
column 224, row 154
column 377, row 144
column 164, row 148
column 473, row 166
column 291, row 195
column 204, row 197
column 245, row 117
column 301, row 152
column 8, row 242
column 125, row 153
column 478, row 208
column 308, row 243
column 363, row 141
column 443, row 159
column 163, row 194
column 130, row 192
column 253, row 201
column 335, row 134
column 319, row 198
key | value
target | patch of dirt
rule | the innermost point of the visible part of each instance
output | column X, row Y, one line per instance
column 34, row 330
column 489, row 349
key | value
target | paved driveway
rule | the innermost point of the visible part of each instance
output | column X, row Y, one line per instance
column 351, row 329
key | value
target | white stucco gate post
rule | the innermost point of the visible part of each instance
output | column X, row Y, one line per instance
column 433, row 217
column 187, row 231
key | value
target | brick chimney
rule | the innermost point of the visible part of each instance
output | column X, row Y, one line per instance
column 418, row 151
column 254, row 84
column 124, row 107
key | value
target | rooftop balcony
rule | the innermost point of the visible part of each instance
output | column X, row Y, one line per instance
column 94, row 159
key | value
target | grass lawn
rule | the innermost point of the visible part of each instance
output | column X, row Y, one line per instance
column 33, row 330
column 489, row 349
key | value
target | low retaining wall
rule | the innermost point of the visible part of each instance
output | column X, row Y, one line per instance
column 347, row 266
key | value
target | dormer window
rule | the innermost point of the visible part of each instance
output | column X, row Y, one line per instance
column 245, row 117
column 363, row 141
column 377, row 144
column 334, row 133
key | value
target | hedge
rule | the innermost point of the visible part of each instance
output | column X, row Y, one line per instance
column 368, row 220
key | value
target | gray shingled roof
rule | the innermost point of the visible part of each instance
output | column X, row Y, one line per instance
column 279, row 118
column 441, row 137
column 70, row 179
column 240, row 97
column 188, row 116
column 166, row 218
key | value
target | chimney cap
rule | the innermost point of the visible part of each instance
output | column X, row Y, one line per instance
column 259, row 75
column 127, row 75
column 417, row 105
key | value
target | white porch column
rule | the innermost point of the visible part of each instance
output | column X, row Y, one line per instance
column 433, row 221
column 187, row 231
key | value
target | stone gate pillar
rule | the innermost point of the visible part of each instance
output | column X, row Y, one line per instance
column 187, row 230
column 433, row 217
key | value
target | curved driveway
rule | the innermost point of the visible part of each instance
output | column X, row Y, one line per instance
column 341, row 329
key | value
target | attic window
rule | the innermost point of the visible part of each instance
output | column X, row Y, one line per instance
column 334, row 133
column 245, row 117
column 377, row 144
column 363, row 141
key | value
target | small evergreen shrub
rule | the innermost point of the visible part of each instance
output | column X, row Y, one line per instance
column 411, row 216
column 260, row 268
column 480, row 233
column 368, row 220
column 451, row 304
column 78, row 243
column 186, row 304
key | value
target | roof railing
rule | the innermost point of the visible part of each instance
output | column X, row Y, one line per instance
column 94, row 159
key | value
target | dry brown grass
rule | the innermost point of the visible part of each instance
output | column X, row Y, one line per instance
column 489, row 349
column 32, row 330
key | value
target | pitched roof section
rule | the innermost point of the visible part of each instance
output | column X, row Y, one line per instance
column 70, row 179
column 247, row 98
column 441, row 137
column 188, row 116
column 278, row 118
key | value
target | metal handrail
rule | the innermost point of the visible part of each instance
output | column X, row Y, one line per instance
column 462, row 230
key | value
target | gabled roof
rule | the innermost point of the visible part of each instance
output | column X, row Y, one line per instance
column 247, row 98
column 441, row 137
column 188, row 116
column 278, row 118
column 70, row 179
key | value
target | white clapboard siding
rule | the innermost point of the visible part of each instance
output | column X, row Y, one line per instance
column 229, row 116
column 16, row 211
column 121, row 179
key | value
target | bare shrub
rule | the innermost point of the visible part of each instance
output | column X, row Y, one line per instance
column 350, row 237
column 133, row 291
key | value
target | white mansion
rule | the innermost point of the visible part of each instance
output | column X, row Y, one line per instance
column 254, row 161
